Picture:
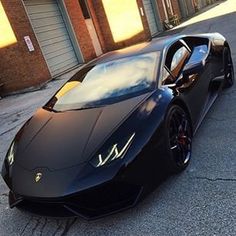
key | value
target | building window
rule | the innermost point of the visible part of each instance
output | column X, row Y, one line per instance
column 124, row 19
column 85, row 9
column 7, row 34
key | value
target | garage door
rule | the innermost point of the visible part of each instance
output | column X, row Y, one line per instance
column 52, row 35
column 148, row 7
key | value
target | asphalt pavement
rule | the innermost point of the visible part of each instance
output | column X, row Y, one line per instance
column 199, row 201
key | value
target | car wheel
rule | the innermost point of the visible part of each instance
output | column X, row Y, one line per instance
column 228, row 69
column 179, row 139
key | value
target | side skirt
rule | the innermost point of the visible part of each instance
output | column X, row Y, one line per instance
column 209, row 105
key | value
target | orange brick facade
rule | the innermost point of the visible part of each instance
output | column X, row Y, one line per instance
column 80, row 28
column 175, row 7
column 21, row 69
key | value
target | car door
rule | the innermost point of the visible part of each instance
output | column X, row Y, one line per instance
column 192, row 88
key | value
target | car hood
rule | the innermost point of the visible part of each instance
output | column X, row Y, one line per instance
column 62, row 140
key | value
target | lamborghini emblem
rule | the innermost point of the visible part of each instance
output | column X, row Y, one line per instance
column 38, row 176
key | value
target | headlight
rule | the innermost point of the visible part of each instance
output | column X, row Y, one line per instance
column 11, row 154
column 116, row 151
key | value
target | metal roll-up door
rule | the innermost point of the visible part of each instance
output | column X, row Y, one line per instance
column 53, row 37
column 148, row 7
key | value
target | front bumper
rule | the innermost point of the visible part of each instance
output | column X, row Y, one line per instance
column 90, row 204
column 89, row 193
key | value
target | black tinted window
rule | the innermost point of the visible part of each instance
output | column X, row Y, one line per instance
column 199, row 53
column 178, row 60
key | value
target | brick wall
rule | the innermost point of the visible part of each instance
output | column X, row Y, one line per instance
column 176, row 8
column 80, row 28
column 102, row 40
column 161, row 10
column 144, row 20
column 19, row 68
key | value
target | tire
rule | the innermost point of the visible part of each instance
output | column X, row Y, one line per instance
column 228, row 69
column 178, row 139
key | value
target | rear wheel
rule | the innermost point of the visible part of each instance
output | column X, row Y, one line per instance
column 179, row 139
column 228, row 69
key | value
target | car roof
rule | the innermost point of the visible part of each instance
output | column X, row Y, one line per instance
column 156, row 44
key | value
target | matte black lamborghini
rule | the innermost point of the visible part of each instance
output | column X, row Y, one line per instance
column 94, row 148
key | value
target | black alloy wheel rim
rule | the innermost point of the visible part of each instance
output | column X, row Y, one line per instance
column 229, row 70
column 180, row 137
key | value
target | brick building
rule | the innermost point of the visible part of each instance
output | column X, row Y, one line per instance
column 45, row 38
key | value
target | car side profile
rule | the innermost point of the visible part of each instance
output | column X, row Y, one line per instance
column 94, row 148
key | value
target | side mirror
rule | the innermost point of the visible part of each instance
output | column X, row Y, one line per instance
column 193, row 68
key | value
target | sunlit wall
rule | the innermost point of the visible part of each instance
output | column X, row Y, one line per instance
column 7, row 36
column 124, row 18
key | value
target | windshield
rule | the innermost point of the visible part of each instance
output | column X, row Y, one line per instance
column 107, row 83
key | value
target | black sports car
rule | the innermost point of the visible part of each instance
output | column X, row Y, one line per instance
column 94, row 148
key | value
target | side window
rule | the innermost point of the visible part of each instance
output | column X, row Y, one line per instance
column 199, row 53
column 178, row 60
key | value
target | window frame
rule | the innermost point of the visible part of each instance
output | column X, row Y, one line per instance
column 174, row 48
column 85, row 9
